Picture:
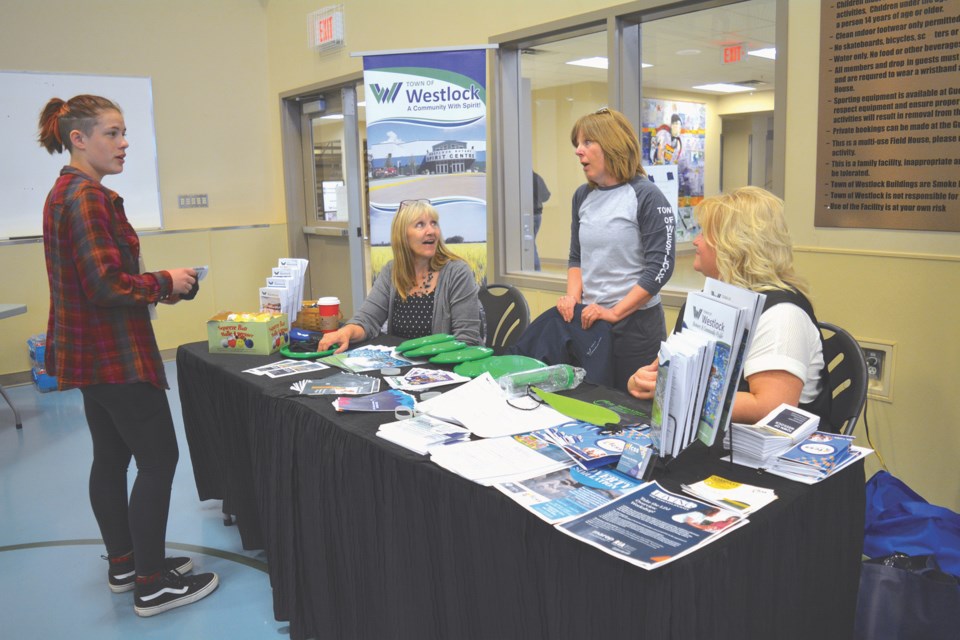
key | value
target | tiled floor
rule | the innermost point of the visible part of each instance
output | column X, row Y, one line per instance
column 52, row 580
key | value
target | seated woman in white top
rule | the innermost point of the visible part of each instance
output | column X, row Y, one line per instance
column 744, row 241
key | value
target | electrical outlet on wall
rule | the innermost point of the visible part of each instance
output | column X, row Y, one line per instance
column 880, row 362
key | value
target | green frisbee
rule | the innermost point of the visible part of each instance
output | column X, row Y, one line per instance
column 435, row 348
column 416, row 343
column 462, row 355
column 306, row 355
column 497, row 366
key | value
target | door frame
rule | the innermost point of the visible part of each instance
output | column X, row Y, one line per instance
column 300, row 197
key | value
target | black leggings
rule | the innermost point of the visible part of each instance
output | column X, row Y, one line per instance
column 124, row 420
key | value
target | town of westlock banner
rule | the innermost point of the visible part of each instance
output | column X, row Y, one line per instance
column 426, row 139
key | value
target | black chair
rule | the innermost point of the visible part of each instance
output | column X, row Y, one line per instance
column 848, row 376
column 507, row 314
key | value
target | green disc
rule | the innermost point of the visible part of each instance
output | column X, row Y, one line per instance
column 497, row 366
column 435, row 348
column 462, row 355
column 306, row 355
column 416, row 343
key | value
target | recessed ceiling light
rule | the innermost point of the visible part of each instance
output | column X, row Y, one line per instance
column 332, row 116
column 597, row 62
column 722, row 87
column 770, row 53
column 688, row 52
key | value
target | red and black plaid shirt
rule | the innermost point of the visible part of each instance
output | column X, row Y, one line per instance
column 99, row 329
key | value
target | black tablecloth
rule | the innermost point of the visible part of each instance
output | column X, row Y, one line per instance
column 365, row 539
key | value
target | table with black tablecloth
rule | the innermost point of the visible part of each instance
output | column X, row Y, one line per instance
column 365, row 539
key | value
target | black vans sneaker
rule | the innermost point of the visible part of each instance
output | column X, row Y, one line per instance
column 168, row 590
column 121, row 574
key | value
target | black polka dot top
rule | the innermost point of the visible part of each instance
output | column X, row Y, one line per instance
column 413, row 317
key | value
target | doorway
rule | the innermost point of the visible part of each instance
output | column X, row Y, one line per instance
column 325, row 181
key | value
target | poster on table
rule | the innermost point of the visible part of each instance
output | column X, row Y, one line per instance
column 426, row 139
column 672, row 137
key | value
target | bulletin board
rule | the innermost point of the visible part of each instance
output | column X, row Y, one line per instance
column 27, row 171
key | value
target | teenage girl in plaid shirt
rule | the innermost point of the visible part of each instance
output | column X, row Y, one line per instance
column 100, row 339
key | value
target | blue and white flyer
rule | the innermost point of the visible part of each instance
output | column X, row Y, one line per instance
column 562, row 495
column 652, row 526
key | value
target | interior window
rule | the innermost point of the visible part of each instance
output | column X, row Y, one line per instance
column 705, row 96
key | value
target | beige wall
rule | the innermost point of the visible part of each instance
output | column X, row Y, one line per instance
column 218, row 68
column 208, row 64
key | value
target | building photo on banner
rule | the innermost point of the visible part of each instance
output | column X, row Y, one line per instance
column 426, row 140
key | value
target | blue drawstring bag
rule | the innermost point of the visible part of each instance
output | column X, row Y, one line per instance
column 900, row 521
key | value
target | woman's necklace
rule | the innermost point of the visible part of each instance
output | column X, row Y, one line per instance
column 424, row 287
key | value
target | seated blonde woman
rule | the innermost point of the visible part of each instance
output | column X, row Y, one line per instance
column 744, row 241
column 425, row 289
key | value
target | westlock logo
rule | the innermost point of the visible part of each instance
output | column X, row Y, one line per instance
column 385, row 94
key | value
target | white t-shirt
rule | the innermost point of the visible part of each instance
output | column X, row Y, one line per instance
column 786, row 340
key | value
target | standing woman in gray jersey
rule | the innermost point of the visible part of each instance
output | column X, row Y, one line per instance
column 621, row 242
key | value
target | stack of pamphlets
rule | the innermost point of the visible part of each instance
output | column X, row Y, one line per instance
column 699, row 367
column 651, row 526
column 422, row 433
column 735, row 496
column 350, row 384
column 389, row 400
column 368, row 358
column 420, row 379
column 817, row 457
column 562, row 495
column 494, row 460
column 589, row 445
column 758, row 445
column 284, row 290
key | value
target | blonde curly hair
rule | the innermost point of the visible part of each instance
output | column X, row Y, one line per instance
column 748, row 231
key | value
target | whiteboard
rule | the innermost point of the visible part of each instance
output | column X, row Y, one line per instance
column 27, row 171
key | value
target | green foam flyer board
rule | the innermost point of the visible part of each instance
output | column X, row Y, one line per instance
column 497, row 366
column 435, row 348
column 462, row 355
column 578, row 409
column 416, row 343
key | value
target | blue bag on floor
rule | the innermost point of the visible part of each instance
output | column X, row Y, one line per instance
column 900, row 521
column 904, row 598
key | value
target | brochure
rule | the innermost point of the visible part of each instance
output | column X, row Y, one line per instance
column 854, row 453
column 562, row 495
column 338, row 384
column 369, row 358
column 591, row 446
column 652, row 526
column 736, row 496
column 420, row 379
column 422, row 433
column 816, row 456
column 388, row 400
column 288, row 367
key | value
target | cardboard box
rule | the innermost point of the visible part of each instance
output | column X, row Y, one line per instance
column 233, row 333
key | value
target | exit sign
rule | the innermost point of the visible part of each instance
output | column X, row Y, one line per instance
column 326, row 28
column 733, row 53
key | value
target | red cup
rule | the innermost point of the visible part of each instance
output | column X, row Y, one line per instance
column 329, row 313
